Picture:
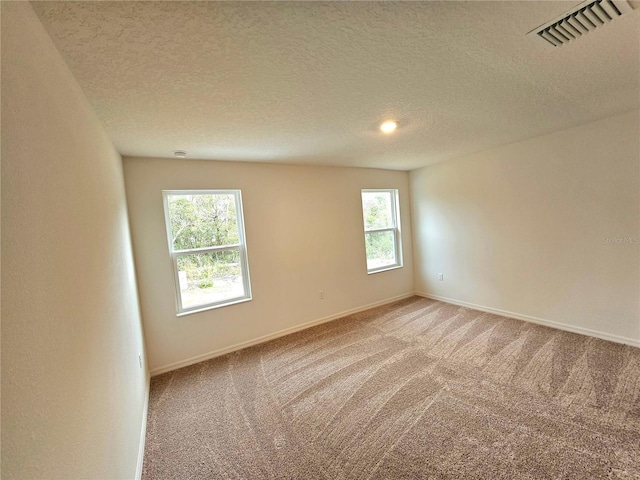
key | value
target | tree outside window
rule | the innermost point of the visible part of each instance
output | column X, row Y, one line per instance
column 381, row 229
column 206, row 242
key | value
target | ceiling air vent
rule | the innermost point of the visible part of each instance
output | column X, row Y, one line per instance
column 579, row 21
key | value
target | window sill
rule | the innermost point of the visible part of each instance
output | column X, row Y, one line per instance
column 383, row 269
column 212, row 307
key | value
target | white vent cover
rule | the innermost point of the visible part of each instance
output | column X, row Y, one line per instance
column 579, row 21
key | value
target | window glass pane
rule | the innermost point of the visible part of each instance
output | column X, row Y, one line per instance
column 381, row 250
column 199, row 221
column 209, row 277
column 376, row 210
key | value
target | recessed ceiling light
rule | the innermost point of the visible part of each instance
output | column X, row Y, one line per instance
column 180, row 153
column 388, row 126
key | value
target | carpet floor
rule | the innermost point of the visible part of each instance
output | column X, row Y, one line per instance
column 418, row 389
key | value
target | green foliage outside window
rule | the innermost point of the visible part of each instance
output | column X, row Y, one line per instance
column 200, row 221
column 377, row 213
column 376, row 208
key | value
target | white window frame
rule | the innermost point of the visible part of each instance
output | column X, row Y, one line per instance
column 397, row 239
column 241, row 247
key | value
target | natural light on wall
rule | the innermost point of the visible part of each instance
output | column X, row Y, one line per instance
column 381, row 217
column 205, row 232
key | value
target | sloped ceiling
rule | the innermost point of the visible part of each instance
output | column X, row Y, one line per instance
column 308, row 82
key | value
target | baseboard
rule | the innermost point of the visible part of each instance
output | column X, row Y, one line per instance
column 273, row 336
column 143, row 433
column 539, row 321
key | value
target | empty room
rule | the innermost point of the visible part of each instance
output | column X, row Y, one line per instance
column 320, row 240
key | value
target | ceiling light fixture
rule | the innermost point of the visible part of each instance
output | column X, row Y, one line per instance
column 180, row 153
column 388, row 126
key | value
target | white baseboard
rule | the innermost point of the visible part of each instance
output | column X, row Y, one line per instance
column 272, row 336
column 539, row 321
column 143, row 432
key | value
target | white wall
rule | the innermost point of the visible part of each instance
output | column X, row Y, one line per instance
column 73, row 395
column 304, row 234
column 521, row 228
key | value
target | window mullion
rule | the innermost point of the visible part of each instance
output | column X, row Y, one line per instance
column 374, row 230
column 208, row 249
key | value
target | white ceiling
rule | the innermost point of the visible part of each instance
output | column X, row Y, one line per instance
column 307, row 82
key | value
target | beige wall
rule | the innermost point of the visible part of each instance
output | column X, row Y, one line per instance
column 521, row 228
column 304, row 234
column 73, row 395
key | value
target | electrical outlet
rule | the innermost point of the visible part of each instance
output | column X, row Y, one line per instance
column 321, row 294
column 441, row 277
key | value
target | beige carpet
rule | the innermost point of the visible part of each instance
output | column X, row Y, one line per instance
column 417, row 389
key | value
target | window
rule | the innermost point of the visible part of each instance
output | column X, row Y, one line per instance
column 205, row 231
column 380, row 212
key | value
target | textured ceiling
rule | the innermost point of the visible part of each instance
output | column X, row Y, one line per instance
column 307, row 82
